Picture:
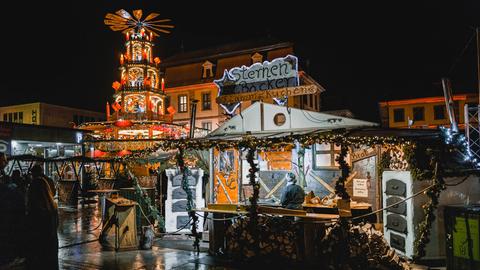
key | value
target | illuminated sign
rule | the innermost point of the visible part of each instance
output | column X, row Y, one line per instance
column 280, row 73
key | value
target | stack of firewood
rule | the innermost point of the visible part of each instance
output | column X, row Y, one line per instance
column 276, row 239
column 347, row 246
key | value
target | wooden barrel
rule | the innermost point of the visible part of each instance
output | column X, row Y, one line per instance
column 129, row 193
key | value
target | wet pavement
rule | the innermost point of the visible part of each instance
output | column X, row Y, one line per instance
column 78, row 232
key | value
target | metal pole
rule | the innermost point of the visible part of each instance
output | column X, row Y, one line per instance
column 449, row 103
column 478, row 62
column 192, row 117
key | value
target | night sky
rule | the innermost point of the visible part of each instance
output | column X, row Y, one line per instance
column 362, row 52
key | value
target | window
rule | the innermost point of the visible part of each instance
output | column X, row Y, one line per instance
column 5, row 117
column 20, row 117
column 418, row 113
column 15, row 117
column 207, row 69
column 257, row 58
column 207, row 126
column 206, row 101
column 399, row 115
column 325, row 155
column 167, row 102
column 182, row 103
column 438, row 112
column 10, row 117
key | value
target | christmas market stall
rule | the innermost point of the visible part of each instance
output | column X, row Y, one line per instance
column 379, row 191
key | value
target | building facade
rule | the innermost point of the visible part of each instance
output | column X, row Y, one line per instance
column 48, row 115
column 429, row 112
column 189, row 76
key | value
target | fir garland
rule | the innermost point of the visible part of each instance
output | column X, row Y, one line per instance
column 190, row 203
column 253, row 209
column 429, row 208
column 340, row 189
column 139, row 192
column 338, row 137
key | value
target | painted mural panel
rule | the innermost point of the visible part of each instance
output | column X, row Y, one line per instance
column 225, row 182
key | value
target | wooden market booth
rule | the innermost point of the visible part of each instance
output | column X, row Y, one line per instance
column 379, row 181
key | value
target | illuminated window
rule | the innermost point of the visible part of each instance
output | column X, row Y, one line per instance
column 206, row 101
column 418, row 113
column 399, row 115
column 438, row 112
column 207, row 69
column 257, row 58
column 207, row 126
column 182, row 103
column 325, row 155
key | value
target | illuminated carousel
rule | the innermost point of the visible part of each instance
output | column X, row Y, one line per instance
column 136, row 116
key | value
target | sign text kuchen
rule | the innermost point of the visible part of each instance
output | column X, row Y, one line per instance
column 276, row 79
column 275, row 93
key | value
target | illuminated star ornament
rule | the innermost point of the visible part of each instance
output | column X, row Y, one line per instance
column 123, row 21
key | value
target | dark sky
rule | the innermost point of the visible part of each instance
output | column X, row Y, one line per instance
column 360, row 51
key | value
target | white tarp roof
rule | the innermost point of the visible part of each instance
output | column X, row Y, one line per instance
column 258, row 119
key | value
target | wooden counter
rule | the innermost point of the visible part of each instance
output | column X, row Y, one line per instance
column 313, row 224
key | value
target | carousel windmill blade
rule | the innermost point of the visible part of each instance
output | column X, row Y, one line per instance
column 123, row 21
column 112, row 22
column 115, row 17
column 158, row 21
column 161, row 25
column 138, row 14
column 151, row 16
column 120, row 27
column 155, row 30
column 124, row 14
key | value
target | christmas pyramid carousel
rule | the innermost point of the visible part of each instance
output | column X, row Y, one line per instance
column 137, row 116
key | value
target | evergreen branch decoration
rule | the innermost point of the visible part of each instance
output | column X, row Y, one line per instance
column 424, row 228
column 190, row 202
column 152, row 210
column 340, row 188
column 253, row 209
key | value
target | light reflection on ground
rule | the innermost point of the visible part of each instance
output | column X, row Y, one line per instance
column 82, row 225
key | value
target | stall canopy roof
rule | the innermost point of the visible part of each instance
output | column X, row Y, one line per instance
column 265, row 120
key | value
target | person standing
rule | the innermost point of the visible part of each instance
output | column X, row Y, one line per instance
column 293, row 194
column 42, row 221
